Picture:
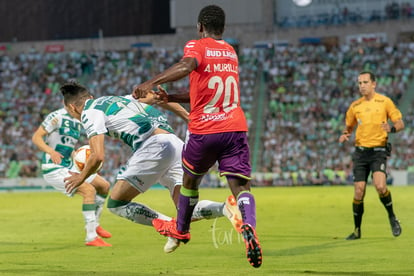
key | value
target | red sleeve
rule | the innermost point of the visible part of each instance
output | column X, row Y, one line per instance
column 191, row 49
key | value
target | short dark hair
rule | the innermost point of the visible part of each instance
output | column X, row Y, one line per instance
column 371, row 75
column 213, row 18
column 74, row 93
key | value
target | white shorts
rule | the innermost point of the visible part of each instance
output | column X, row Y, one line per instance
column 158, row 160
column 56, row 178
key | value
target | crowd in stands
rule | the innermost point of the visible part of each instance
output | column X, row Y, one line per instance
column 342, row 15
column 30, row 89
column 308, row 90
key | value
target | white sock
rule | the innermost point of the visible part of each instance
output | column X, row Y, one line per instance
column 90, row 225
column 138, row 213
column 207, row 209
column 100, row 201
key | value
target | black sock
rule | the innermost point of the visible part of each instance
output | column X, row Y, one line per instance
column 386, row 200
column 358, row 209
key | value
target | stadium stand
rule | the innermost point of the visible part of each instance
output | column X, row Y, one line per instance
column 306, row 97
column 343, row 15
column 294, row 94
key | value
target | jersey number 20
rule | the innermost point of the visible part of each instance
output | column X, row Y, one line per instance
column 228, row 89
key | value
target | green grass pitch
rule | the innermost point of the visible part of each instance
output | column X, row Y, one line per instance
column 301, row 229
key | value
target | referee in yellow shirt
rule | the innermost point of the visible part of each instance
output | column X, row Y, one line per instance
column 370, row 115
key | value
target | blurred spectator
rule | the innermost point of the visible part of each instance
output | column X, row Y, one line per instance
column 13, row 170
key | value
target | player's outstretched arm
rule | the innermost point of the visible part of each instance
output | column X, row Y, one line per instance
column 177, row 109
column 163, row 97
column 160, row 98
column 178, row 71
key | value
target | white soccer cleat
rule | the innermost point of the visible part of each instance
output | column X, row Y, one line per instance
column 232, row 212
column 171, row 245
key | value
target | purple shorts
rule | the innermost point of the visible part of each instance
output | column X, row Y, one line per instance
column 230, row 149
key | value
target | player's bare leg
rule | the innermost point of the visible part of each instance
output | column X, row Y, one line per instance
column 88, row 194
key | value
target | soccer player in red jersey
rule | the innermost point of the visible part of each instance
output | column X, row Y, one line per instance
column 218, row 128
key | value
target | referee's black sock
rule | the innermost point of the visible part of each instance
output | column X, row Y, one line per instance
column 386, row 200
column 358, row 209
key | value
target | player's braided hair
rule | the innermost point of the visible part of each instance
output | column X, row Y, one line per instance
column 74, row 93
column 213, row 19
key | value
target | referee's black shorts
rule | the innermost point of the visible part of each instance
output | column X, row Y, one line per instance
column 368, row 160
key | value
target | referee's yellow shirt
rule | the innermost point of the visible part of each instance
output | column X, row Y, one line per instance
column 369, row 115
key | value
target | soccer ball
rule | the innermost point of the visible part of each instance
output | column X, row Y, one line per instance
column 81, row 156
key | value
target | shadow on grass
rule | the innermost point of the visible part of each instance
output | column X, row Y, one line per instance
column 28, row 247
column 341, row 273
column 63, row 273
column 336, row 243
column 310, row 249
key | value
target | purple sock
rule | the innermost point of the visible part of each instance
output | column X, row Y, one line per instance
column 186, row 206
column 247, row 207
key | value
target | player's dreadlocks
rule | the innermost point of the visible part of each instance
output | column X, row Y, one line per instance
column 213, row 19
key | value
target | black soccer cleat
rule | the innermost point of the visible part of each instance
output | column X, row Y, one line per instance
column 253, row 249
column 395, row 226
column 356, row 235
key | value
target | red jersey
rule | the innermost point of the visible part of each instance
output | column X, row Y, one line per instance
column 214, row 88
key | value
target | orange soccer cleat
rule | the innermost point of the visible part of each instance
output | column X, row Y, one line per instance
column 102, row 232
column 98, row 242
column 169, row 229
column 232, row 212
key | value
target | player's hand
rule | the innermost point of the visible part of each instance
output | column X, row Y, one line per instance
column 141, row 91
column 150, row 98
column 161, row 95
column 386, row 127
column 344, row 137
column 72, row 182
column 56, row 157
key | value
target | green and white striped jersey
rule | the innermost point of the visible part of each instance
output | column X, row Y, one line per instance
column 123, row 118
column 63, row 134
